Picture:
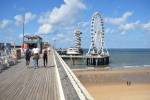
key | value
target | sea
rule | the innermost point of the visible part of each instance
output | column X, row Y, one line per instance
column 119, row 58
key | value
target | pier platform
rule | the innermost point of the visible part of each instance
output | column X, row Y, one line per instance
column 90, row 60
column 56, row 82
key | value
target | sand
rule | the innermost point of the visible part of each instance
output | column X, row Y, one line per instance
column 120, row 92
column 112, row 84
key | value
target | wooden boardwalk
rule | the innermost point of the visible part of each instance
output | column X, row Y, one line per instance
column 56, row 82
column 22, row 83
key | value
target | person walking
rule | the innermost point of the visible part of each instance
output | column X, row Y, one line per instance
column 27, row 56
column 45, row 57
column 35, row 56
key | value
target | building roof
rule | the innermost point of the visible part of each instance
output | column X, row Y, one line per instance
column 32, row 37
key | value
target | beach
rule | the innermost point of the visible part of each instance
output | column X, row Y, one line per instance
column 116, row 84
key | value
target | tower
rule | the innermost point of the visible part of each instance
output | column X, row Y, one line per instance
column 78, row 39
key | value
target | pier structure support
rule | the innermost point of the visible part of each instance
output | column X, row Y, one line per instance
column 89, row 59
column 97, row 60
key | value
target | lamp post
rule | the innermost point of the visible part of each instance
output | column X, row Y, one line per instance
column 23, row 23
column 54, row 44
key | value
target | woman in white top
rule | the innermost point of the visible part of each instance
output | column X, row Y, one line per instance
column 36, row 56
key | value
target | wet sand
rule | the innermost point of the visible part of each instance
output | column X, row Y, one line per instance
column 118, row 84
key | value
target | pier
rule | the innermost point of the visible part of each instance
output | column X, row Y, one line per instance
column 97, row 53
column 56, row 82
column 90, row 60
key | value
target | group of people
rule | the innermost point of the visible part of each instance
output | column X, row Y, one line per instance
column 35, row 52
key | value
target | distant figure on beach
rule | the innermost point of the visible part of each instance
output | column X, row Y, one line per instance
column 27, row 56
column 128, row 83
column 45, row 56
column 36, row 56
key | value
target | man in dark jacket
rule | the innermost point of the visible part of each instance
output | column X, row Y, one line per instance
column 45, row 57
column 28, row 56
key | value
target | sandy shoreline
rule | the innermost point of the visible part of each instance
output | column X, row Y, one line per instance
column 120, row 92
column 112, row 84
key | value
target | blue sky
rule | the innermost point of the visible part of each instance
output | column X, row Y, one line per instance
column 127, row 22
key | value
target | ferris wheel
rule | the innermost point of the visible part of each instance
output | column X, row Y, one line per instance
column 97, row 35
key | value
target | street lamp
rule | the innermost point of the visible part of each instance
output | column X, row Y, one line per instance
column 54, row 44
column 23, row 22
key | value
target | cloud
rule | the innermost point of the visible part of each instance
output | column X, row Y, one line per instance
column 122, row 25
column 109, row 30
column 128, row 27
column 19, row 19
column 84, row 24
column 119, row 20
column 28, row 17
column 146, row 26
column 64, row 15
column 63, row 38
column 45, row 28
column 4, row 23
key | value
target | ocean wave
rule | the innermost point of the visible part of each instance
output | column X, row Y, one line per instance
column 146, row 65
column 131, row 66
column 136, row 66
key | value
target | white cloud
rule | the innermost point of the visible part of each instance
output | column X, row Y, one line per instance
column 108, row 30
column 63, row 38
column 18, row 19
column 119, row 20
column 146, row 26
column 45, row 28
column 84, row 24
column 123, row 26
column 64, row 15
column 28, row 17
column 4, row 23
column 128, row 27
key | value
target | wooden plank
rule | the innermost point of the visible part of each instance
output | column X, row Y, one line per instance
column 22, row 83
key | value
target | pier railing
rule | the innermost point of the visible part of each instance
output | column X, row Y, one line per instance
column 79, row 88
column 59, row 85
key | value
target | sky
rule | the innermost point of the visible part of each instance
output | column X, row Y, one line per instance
column 126, row 22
